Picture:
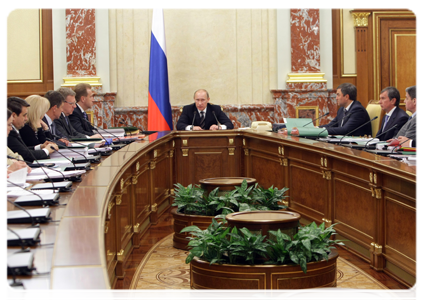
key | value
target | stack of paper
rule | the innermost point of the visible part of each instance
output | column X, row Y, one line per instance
column 112, row 132
column 77, row 152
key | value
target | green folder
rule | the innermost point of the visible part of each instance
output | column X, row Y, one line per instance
column 305, row 127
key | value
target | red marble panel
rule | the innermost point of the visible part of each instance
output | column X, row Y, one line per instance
column 305, row 40
column 80, row 42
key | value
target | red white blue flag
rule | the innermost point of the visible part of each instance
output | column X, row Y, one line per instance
column 159, row 109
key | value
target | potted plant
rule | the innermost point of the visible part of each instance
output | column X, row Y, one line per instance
column 224, row 257
column 195, row 207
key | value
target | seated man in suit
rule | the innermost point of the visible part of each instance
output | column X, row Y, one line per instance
column 19, row 108
column 84, row 97
column 63, row 124
column 55, row 111
column 351, row 114
column 389, row 102
column 408, row 131
column 202, row 115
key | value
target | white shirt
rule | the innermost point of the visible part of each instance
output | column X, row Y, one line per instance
column 189, row 127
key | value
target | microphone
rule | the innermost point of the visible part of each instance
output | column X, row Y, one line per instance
column 192, row 126
column 33, row 156
column 71, row 160
column 30, row 216
column 316, row 119
column 41, row 166
column 14, row 283
column 365, row 123
column 44, row 202
column 98, row 128
column 396, row 125
column 122, row 121
column 347, row 115
column 21, row 241
column 219, row 125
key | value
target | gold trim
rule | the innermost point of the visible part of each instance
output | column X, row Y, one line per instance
column 282, row 150
column 373, row 191
column 152, row 165
column 106, row 227
column 246, row 152
column 171, row 153
column 231, row 151
column 135, row 179
column 243, row 142
column 378, row 193
column 372, row 247
column 321, row 161
column 285, row 202
column 155, row 153
column 154, row 207
column 374, row 178
column 121, row 255
column 109, row 207
column 118, row 199
column 305, row 77
column 326, row 163
column 231, row 142
column 137, row 167
column 73, row 81
column 371, row 177
column 378, row 249
column 173, row 143
column 316, row 109
column 121, row 183
column 40, row 28
column 341, row 25
column 137, row 228
column 285, row 162
column 376, row 15
column 361, row 19
column 185, row 152
column 185, row 143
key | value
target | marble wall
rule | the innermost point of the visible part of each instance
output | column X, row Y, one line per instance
column 80, row 42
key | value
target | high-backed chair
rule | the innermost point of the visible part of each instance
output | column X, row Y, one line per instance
column 373, row 109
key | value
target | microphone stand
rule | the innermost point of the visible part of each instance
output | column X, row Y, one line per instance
column 45, row 203
column 192, row 125
column 40, row 166
column 316, row 119
column 335, row 123
column 396, row 125
column 20, row 240
column 122, row 121
column 214, row 114
column 30, row 216
column 358, row 128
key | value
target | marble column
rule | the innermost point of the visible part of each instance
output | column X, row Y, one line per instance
column 81, row 62
column 306, row 94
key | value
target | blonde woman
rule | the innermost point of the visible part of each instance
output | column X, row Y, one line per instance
column 34, row 131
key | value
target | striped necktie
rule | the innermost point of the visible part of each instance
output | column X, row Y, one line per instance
column 202, row 120
column 385, row 122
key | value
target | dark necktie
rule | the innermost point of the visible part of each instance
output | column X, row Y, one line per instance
column 345, row 113
column 53, row 128
column 410, row 118
column 202, row 120
column 85, row 115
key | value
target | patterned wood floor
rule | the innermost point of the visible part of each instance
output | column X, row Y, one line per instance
column 165, row 227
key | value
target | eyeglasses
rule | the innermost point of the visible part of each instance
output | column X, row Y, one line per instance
column 71, row 103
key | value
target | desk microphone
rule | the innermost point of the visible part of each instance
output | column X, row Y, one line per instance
column 316, row 119
column 21, row 208
column 21, row 241
column 347, row 115
column 192, row 126
column 71, row 160
column 40, row 166
column 219, row 125
column 396, row 125
column 122, row 121
column 98, row 128
column 365, row 123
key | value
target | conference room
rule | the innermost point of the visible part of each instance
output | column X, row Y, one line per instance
column 260, row 94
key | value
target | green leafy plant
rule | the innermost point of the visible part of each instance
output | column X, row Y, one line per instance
column 192, row 200
column 218, row 244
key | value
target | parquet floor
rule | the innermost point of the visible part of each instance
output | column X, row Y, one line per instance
column 165, row 227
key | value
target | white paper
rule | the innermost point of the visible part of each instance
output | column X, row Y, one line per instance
column 20, row 192
column 18, row 177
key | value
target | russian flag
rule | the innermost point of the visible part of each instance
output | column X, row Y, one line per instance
column 159, row 109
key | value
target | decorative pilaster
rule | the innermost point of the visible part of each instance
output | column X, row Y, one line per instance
column 306, row 94
column 361, row 23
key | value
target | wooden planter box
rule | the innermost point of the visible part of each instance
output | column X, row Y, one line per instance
column 319, row 275
column 181, row 221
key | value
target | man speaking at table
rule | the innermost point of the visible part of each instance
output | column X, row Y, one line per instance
column 201, row 115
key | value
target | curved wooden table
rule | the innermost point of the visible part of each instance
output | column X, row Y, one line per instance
column 372, row 198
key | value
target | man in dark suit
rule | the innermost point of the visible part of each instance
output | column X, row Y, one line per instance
column 411, row 129
column 203, row 115
column 84, row 100
column 56, row 107
column 19, row 108
column 389, row 102
column 351, row 114
column 63, row 124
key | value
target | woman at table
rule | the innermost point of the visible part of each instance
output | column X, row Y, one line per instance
column 35, row 131
column 14, row 160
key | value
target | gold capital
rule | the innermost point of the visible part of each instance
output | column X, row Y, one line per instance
column 361, row 19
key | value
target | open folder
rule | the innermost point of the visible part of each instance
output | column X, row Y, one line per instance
column 305, row 127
